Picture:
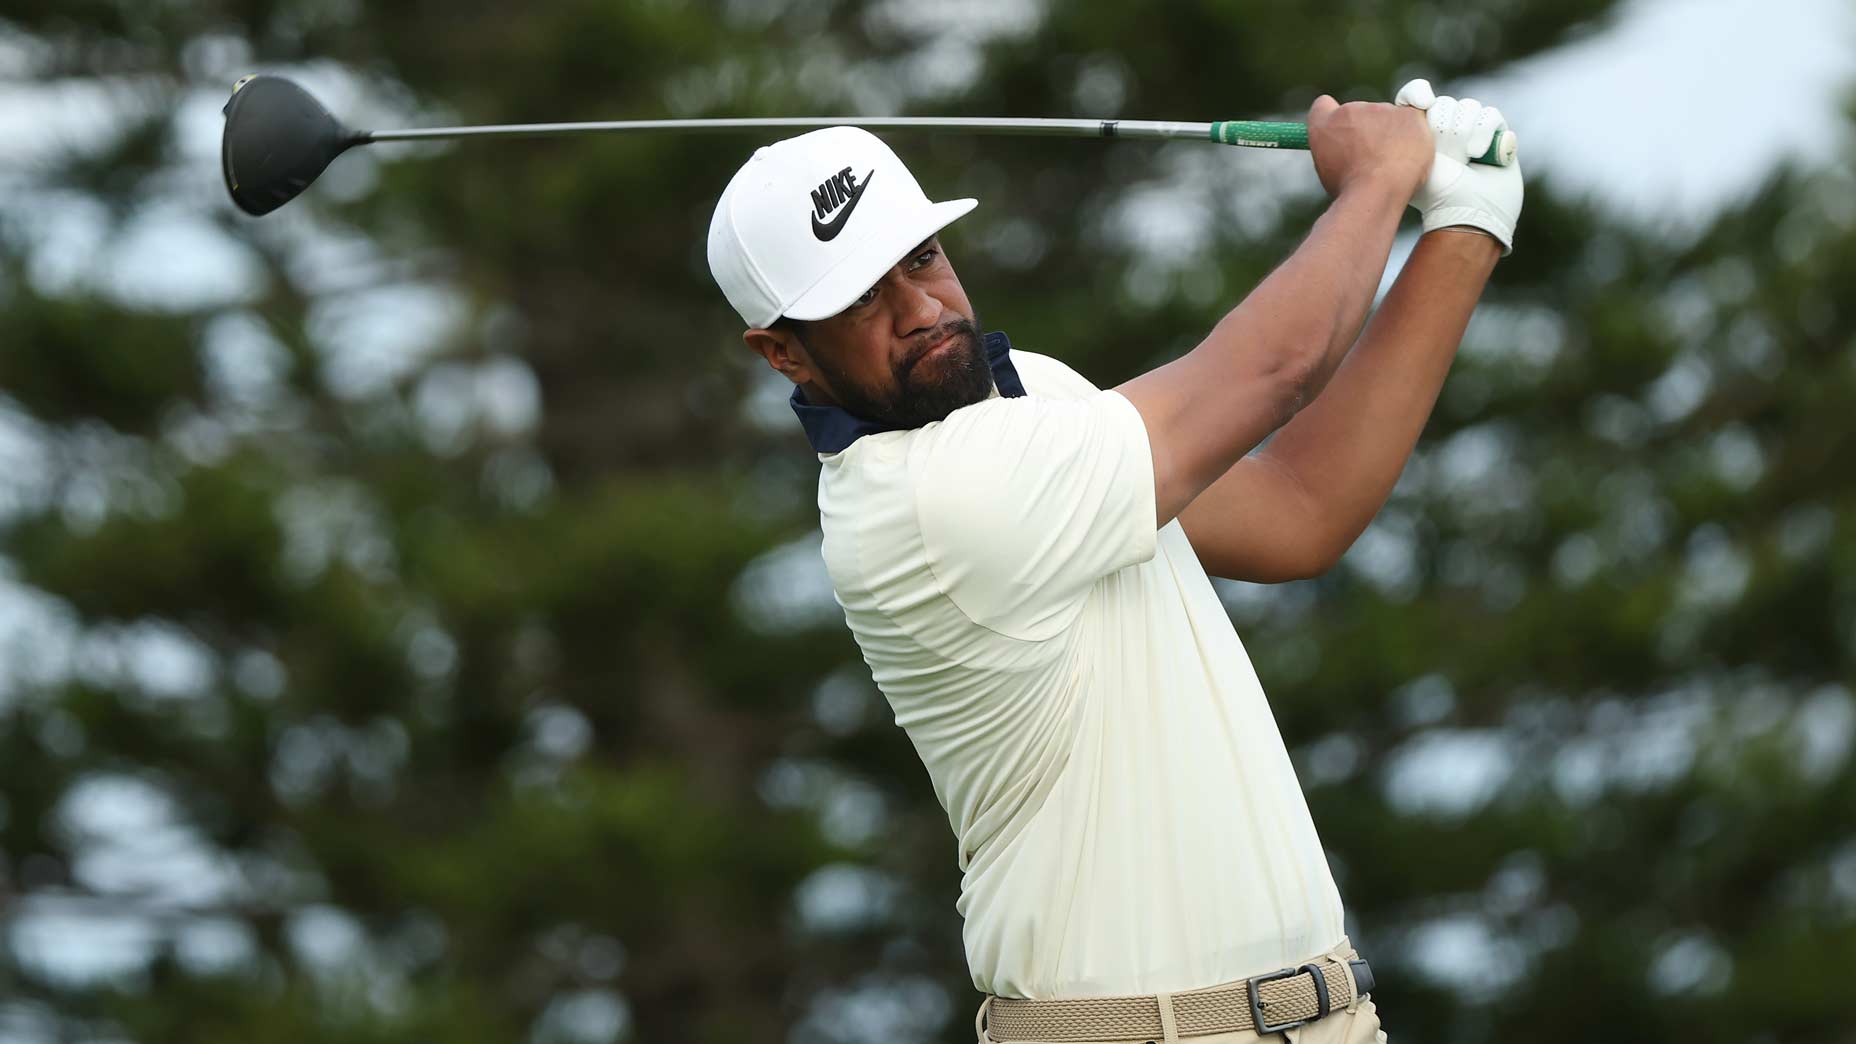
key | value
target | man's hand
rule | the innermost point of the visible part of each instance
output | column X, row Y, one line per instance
column 1458, row 192
column 1362, row 142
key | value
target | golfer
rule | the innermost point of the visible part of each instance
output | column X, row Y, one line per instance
column 1024, row 560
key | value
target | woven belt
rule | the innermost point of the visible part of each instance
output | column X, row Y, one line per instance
column 1269, row 1003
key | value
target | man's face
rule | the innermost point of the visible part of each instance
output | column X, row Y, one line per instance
column 905, row 353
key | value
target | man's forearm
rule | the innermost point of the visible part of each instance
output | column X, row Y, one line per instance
column 1349, row 446
column 1340, row 265
column 1272, row 354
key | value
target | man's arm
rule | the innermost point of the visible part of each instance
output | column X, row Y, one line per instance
column 1291, row 510
column 1276, row 350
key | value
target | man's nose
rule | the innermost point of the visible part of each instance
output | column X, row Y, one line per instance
column 916, row 309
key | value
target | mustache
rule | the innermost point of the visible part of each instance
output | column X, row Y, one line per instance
column 955, row 328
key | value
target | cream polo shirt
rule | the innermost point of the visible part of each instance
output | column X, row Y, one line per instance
column 1127, row 815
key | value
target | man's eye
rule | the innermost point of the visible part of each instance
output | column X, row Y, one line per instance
column 867, row 297
column 926, row 257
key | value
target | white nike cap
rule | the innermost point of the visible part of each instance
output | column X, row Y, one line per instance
column 810, row 223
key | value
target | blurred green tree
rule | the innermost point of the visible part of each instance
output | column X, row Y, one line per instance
column 419, row 633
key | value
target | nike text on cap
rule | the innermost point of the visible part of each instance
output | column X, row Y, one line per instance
column 810, row 223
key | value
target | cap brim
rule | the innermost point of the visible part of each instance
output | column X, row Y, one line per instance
column 866, row 263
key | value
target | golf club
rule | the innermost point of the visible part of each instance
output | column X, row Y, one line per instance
column 278, row 138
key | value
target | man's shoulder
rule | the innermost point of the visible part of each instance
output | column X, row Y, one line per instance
column 1050, row 378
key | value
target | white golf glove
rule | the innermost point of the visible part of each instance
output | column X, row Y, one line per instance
column 1459, row 192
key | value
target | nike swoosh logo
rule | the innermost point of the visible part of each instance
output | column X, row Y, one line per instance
column 828, row 231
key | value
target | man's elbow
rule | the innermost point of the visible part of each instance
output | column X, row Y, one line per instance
column 1323, row 559
column 1304, row 560
column 1310, row 562
column 1323, row 549
column 1296, row 380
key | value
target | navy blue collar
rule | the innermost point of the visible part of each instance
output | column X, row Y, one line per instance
column 832, row 429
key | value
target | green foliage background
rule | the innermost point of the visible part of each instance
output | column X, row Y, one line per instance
column 501, row 722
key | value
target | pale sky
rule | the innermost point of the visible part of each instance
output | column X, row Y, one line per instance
column 1682, row 106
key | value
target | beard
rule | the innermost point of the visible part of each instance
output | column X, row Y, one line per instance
column 925, row 389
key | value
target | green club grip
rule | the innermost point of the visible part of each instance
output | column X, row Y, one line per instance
column 1265, row 134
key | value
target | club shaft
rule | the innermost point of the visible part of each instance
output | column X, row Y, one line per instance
column 972, row 125
column 1261, row 134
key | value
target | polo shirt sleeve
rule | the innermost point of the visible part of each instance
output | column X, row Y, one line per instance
column 1025, row 503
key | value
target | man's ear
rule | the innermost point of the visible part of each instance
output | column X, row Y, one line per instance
column 783, row 352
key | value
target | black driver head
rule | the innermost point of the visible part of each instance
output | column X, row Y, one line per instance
column 277, row 140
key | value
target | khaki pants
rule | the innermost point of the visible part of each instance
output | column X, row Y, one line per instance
column 1356, row 1024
